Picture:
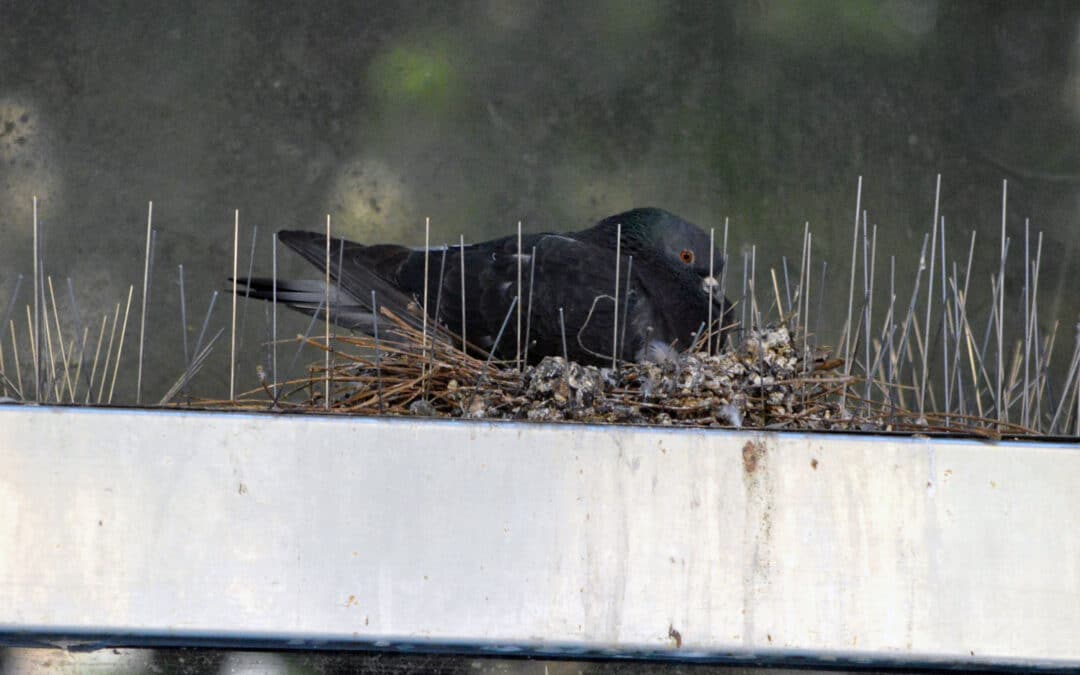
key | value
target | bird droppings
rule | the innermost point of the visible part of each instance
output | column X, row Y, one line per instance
column 757, row 385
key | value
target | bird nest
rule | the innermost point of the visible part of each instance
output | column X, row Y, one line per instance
column 772, row 379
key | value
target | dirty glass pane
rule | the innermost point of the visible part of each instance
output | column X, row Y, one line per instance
column 760, row 114
column 481, row 114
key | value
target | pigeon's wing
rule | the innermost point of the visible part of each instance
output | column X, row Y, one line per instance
column 580, row 278
column 577, row 276
column 490, row 275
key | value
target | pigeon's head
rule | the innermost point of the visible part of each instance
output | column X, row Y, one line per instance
column 656, row 233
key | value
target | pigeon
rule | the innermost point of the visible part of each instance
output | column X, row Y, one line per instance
column 568, row 301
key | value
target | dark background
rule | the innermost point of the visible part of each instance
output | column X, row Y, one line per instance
column 480, row 114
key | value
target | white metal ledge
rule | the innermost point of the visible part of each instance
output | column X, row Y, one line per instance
column 205, row 528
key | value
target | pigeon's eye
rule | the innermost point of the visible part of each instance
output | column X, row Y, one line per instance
column 687, row 256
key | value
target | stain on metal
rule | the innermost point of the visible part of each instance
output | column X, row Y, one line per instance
column 675, row 635
column 753, row 453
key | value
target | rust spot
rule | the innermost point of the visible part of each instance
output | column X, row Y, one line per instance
column 350, row 601
column 242, row 489
column 813, row 464
column 768, row 636
column 674, row 635
column 752, row 454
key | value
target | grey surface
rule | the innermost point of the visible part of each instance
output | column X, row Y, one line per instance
column 198, row 662
column 544, row 539
column 481, row 114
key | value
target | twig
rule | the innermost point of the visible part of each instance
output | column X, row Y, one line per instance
column 97, row 353
column 108, row 355
column 378, row 351
column 120, row 348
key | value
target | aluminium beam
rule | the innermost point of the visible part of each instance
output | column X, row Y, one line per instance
column 166, row 527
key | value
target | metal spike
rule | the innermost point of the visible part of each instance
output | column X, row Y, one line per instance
column 562, row 329
column 517, row 354
column 326, row 308
column 464, row 339
column 851, row 300
column 247, row 287
column 232, row 348
column 626, row 305
column 36, row 327
column 708, row 312
column 528, row 311
column 615, row 300
column 18, row 368
column 273, row 309
column 145, row 290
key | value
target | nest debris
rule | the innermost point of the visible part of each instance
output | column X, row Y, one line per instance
column 766, row 382
column 773, row 379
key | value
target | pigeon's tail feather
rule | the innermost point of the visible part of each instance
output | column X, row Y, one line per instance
column 300, row 291
column 358, row 270
column 309, row 296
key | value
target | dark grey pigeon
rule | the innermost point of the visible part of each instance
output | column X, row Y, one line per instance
column 668, row 302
